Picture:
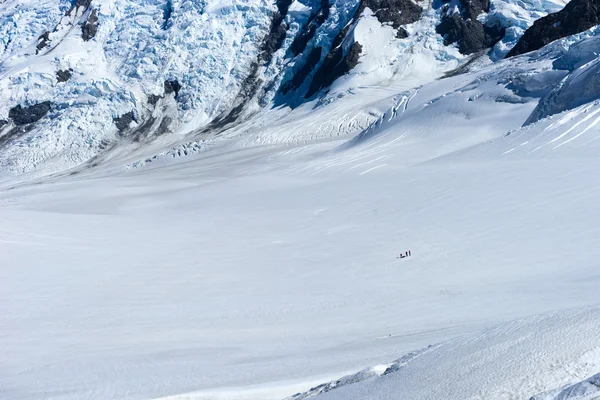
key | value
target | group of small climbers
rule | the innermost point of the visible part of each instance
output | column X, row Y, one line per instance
column 405, row 254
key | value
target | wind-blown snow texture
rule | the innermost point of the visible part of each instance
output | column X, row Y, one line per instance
column 233, row 241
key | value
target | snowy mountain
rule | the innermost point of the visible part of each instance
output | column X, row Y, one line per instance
column 214, row 199
column 84, row 80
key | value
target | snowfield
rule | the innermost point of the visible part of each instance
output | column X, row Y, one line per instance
column 262, row 262
column 261, row 272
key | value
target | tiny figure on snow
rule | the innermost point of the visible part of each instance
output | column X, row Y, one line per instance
column 406, row 254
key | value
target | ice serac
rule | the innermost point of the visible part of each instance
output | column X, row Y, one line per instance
column 579, row 87
column 319, row 15
column 576, row 17
column 252, row 83
column 201, row 68
column 580, row 53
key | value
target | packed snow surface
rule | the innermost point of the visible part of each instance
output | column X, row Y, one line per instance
column 264, row 261
column 259, row 272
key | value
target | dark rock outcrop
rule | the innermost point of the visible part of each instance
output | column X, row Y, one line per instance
column 465, row 30
column 124, row 121
column 64, row 75
column 401, row 33
column 169, row 86
column 311, row 62
column 335, row 65
column 576, row 17
column 396, row 12
column 277, row 31
column 89, row 29
column 251, row 85
column 164, row 126
column 43, row 41
column 345, row 53
column 28, row 115
column 172, row 86
column 473, row 8
column 153, row 99
column 3, row 122
column 470, row 35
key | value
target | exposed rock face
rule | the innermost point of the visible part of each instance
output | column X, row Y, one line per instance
column 164, row 126
column 28, row 115
column 63, row 75
column 172, row 86
column 43, row 41
column 345, row 53
column 473, row 8
column 396, row 12
column 124, row 121
column 271, row 43
column 90, row 27
column 316, row 20
column 2, row 123
column 82, row 3
column 334, row 66
column 465, row 30
column 311, row 62
column 577, row 16
column 277, row 32
column 470, row 35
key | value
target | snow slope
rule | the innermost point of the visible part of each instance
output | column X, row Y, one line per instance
column 263, row 261
column 547, row 357
column 258, row 272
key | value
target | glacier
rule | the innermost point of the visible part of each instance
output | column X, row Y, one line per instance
column 197, row 212
column 210, row 48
